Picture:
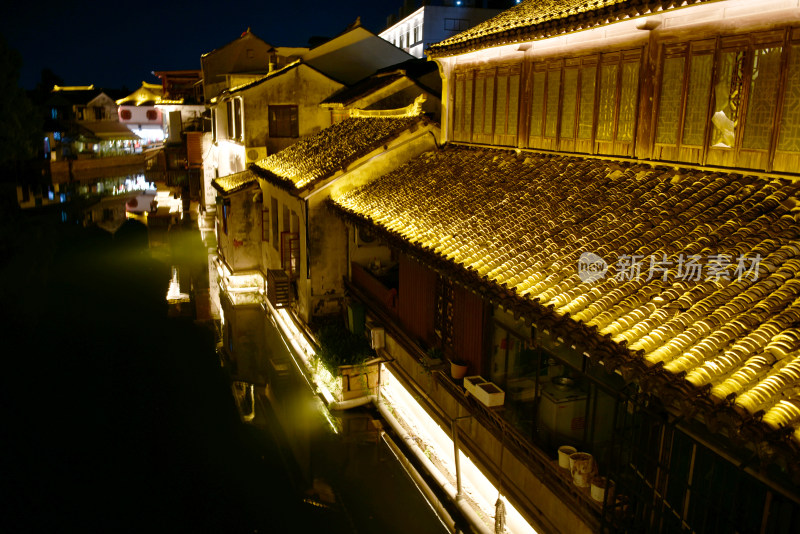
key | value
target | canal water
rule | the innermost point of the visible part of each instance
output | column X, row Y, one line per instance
column 120, row 418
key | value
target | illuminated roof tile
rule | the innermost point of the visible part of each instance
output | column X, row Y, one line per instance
column 319, row 156
column 514, row 228
column 538, row 19
column 234, row 182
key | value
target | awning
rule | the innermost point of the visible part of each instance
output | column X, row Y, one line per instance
column 106, row 130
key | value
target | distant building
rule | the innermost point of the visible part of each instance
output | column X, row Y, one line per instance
column 139, row 113
column 391, row 88
column 264, row 103
column 416, row 29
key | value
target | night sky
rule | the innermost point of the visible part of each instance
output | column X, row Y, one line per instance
column 114, row 45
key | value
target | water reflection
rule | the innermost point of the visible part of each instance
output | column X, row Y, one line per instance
column 340, row 462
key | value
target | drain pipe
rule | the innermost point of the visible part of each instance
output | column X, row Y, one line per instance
column 453, row 494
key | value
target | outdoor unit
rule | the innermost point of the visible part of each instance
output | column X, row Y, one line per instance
column 255, row 153
column 365, row 238
column 377, row 337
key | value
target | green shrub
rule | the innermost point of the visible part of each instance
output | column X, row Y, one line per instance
column 338, row 346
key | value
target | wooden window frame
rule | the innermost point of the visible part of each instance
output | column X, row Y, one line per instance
column 265, row 224
column 273, row 208
column 293, row 118
column 507, row 137
column 736, row 156
column 290, row 254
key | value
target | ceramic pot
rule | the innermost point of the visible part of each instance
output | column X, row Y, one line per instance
column 601, row 486
column 457, row 370
column 583, row 469
column 564, row 453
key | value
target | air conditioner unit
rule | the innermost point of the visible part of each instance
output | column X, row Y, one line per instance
column 377, row 337
column 365, row 237
column 255, row 153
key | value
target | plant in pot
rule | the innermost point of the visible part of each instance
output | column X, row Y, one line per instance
column 432, row 359
column 458, row 368
column 348, row 359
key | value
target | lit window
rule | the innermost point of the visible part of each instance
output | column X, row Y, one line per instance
column 273, row 205
column 234, row 119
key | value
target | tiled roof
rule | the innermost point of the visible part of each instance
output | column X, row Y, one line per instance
column 234, row 182
column 268, row 76
column 414, row 69
column 348, row 95
column 514, row 227
column 538, row 19
column 319, row 156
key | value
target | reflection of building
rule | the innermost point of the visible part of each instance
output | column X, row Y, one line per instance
column 683, row 389
column 174, row 113
column 432, row 22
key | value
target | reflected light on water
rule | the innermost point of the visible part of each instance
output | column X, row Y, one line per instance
column 174, row 294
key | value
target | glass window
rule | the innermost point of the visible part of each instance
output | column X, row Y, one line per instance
column 488, row 106
column 283, row 121
column 694, row 123
column 229, row 119
column 479, row 109
column 537, row 103
column 513, row 103
column 586, row 115
column 727, row 98
column 502, row 103
column 628, row 98
column 238, row 132
column 569, row 103
column 505, row 361
column 669, row 102
column 789, row 138
column 551, row 110
column 468, row 88
column 273, row 209
column 766, row 77
column 608, row 102
column 460, row 106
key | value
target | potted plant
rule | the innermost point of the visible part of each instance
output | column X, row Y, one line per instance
column 349, row 359
column 458, row 368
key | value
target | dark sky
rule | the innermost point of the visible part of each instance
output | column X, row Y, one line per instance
column 115, row 44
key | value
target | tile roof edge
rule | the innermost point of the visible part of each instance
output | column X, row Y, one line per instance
column 288, row 185
column 606, row 15
column 216, row 185
column 274, row 179
column 675, row 392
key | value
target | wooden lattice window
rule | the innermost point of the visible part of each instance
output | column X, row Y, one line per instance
column 443, row 316
column 265, row 224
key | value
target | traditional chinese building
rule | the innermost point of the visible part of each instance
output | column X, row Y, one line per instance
column 392, row 87
column 301, row 236
column 264, row 103
column 615, row 208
